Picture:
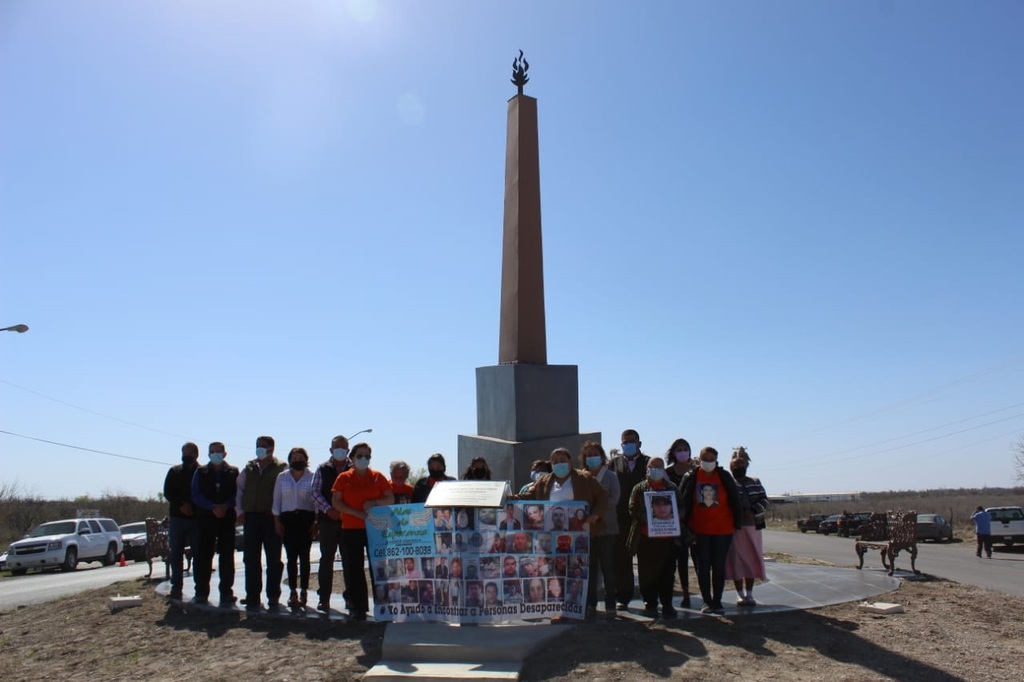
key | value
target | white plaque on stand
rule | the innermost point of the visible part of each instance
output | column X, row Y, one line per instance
column 468, row 494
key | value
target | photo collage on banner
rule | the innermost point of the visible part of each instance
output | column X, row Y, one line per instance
column 527, row 559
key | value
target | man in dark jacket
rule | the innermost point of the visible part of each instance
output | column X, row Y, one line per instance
column 183, row 530
column 328, row 518
column 435, row 472
column 213, row 495
column 254, row 506
column 631, row 468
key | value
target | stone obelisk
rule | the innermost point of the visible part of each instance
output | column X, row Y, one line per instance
column 525, row 407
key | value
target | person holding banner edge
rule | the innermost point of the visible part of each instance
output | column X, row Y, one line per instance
column 355, row 492
column 602, row 545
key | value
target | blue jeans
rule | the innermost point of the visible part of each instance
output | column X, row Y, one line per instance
column 183, row 532
column 261, row 535
column 711, row 551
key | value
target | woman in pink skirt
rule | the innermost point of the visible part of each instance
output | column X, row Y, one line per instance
column 745, row 562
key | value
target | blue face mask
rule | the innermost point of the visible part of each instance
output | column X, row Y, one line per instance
column 216, row 457
column 630, row 449
column 339, row 453
column 593, row 461
column 261, row 453
column 534, row 475
column 656, row 474
column 362, row 463
column 561, row 470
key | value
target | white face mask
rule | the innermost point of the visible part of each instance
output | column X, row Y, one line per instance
column 708, row 466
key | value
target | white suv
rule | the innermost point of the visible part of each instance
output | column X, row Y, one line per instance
column 64, row 543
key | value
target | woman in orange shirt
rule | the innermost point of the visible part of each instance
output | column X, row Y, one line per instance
column 355, row 492
column 710, row 506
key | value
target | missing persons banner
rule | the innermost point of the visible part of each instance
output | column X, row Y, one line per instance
column 527, row 559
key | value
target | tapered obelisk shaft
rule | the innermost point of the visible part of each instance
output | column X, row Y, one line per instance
column 523, row 335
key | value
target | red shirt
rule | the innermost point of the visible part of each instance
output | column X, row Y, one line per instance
column 712, row 513
column 356, row 490
column 402, row 491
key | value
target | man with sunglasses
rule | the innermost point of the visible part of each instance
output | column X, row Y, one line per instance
column 353, row 494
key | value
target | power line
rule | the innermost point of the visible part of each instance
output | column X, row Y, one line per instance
column 98, row 414
column 915, row 398
column 823, row 462
column 77, row 447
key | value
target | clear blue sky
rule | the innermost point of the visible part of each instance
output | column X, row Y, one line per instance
column 795, row 226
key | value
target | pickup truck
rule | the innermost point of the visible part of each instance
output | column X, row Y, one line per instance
column 1007, row 525
column 810, row 523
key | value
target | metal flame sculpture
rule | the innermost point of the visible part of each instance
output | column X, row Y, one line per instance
column 519, row 68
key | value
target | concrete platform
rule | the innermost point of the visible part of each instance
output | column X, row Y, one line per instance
column 497, row 651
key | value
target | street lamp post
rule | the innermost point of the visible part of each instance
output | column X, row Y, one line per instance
column 19, row 328
column 359, row 432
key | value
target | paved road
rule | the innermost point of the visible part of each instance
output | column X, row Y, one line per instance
column 36, row 588
column 955, row 561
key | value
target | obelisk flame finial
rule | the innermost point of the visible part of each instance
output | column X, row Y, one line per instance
column 519, row 68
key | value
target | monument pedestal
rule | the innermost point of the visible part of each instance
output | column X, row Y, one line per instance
column 523, row 413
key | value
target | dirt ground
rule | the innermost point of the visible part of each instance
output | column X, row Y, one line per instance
column 949, row 632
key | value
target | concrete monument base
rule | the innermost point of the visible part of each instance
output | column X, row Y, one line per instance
column 511, row 460
column 520, row 402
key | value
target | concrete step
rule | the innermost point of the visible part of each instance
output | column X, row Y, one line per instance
column 484, row 643
column 399, row 671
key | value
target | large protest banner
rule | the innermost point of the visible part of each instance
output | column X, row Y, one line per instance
column 527, row 559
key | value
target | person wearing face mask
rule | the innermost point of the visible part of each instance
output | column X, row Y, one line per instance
column 477, row 470
column 537, row 469
column 631, row 469
column 745, row 562
column 655, row 557
column 602, row 545
column 213, row 497
column 253, row 504
column 436, row 469
column 354, row 493
column 710, row 506
column 183, row 530
column 328, row 519
column 400, row 482
column 565, row 483
column 295, row 521
column 679, row 465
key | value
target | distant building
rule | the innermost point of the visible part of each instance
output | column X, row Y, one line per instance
column 814, row 497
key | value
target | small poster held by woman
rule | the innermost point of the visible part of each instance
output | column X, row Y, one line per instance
column 662, row 514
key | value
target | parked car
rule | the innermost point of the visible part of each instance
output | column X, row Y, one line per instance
column 62, row 544
column 850, row 525
column 134, row 536
column 811, row 522
column 1007, row 525
column 830, row 524
column 933, row 527
column 3, row 562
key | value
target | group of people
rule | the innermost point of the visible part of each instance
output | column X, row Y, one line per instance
column 284, row 504
column 720, row 516
column 279, row 505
